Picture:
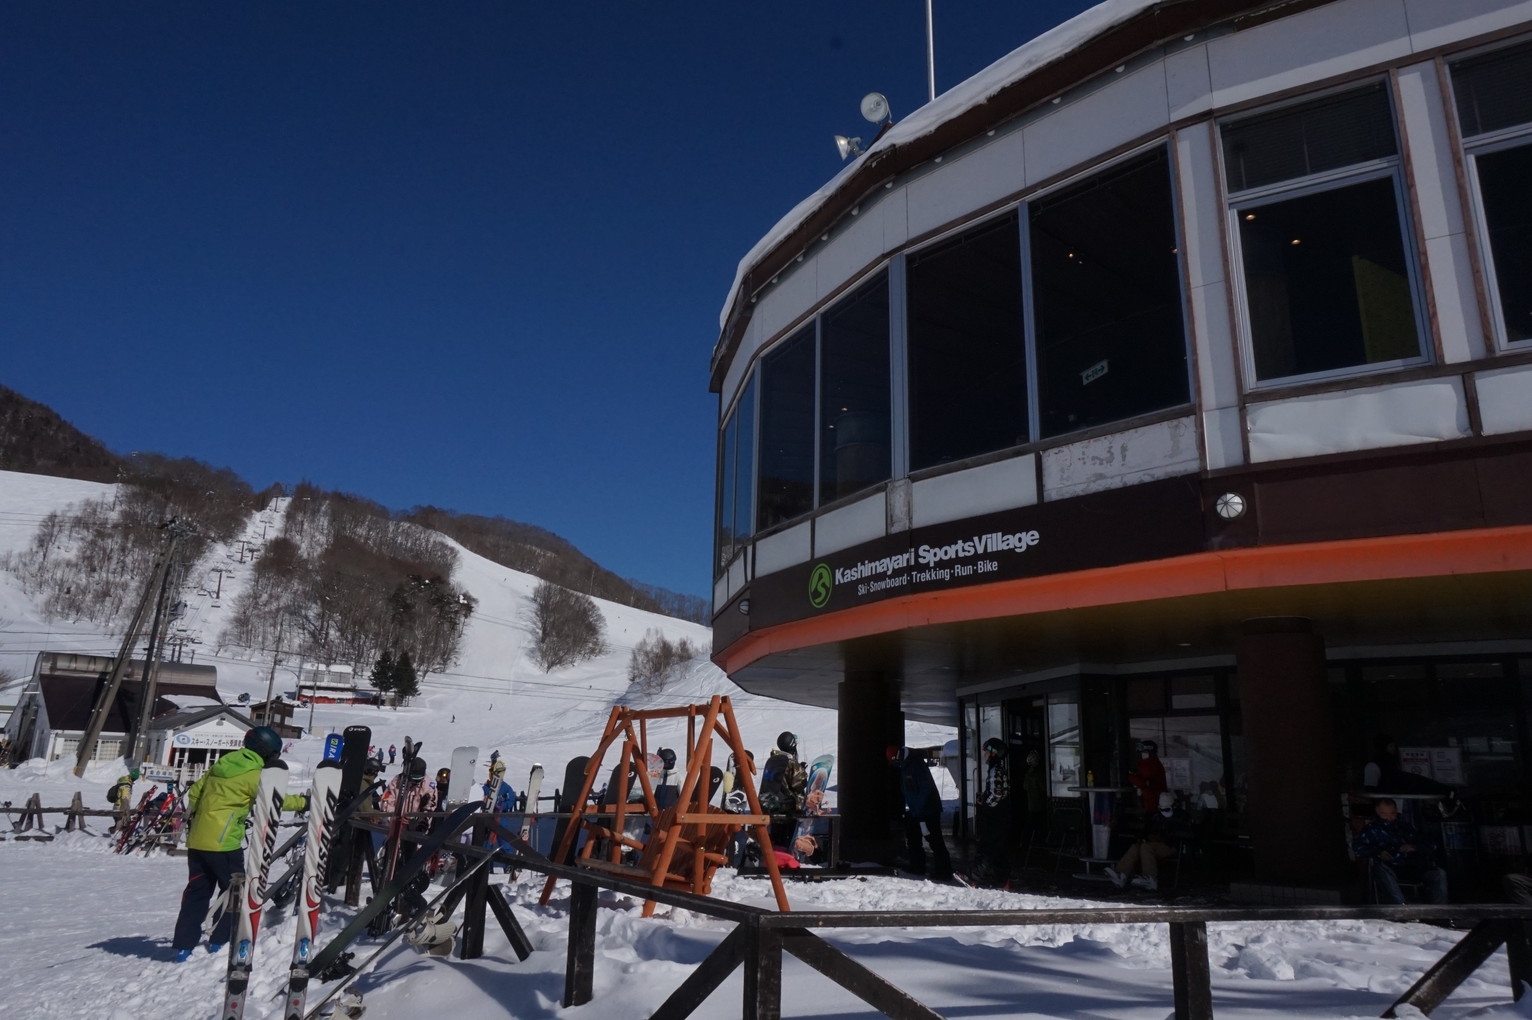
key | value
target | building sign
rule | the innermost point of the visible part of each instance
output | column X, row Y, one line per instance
column 1153, row 520
column 209, row 740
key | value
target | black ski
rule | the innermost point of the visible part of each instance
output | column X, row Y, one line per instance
column 379, row 904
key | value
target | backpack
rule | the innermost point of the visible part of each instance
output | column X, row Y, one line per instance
column 782, row 784
column 111, row 794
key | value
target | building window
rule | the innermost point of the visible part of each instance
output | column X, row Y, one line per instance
column 1493, row 92
column 967, row 351
column 854, row 393
column 1315, row 192
column 786, row 472
column 736, row 479
column 1106, row 298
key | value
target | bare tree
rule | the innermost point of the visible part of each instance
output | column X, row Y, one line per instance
column 568, row 626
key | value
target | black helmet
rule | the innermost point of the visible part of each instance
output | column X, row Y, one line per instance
column 787, row 741
column 263, row 740
column 668, row 757
column 417, row 769
column 995, row 746
column 371, row 767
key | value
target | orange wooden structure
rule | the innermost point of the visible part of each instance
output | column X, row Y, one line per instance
column 687, row 840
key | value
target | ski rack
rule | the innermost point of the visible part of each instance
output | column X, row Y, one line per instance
column 686, row 841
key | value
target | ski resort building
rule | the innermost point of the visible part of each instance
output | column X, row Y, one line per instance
column 54, row 709
column 1171, row 378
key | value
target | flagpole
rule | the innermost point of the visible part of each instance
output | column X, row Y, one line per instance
column 930, row 53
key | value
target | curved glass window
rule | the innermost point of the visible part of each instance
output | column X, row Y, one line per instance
column 1106, row 298
column 736, row 480
column 1494, row 103
column 786, row 473
column 966, row 343
column 1328, row 279
column 854, row 392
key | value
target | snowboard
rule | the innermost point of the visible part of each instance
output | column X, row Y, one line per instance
column 265, row 813
column 813, row 797
column 565, row 796
column 355, row 743
column 464, row 762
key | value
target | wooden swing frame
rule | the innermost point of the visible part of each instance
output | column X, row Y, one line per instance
column 686, row 840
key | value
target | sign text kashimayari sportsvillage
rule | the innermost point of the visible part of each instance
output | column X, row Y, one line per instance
column 932, row 555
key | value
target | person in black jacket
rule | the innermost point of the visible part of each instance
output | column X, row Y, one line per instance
column 1395, row 850
column 922, row 806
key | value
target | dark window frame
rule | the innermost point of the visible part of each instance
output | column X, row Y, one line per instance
column 1390, row 168
column 1477, row 143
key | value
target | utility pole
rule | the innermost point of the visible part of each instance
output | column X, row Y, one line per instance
column 108, row 695
column 271, row 680
column 157, row 629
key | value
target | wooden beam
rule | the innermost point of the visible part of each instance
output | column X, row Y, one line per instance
column 701, row 983
column 854, row 977
column 1451, row 970
column 501, row 907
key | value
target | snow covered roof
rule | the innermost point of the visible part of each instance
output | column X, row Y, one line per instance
column 1089, row 43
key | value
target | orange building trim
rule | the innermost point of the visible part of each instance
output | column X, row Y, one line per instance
column 1482, row 551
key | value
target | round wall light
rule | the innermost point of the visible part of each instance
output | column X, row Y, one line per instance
column 1230, row 506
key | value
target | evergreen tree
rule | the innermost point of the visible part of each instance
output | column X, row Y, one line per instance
column 406, row 683
column 384, row 673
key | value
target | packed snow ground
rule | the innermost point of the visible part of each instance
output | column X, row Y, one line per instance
column 89, row 930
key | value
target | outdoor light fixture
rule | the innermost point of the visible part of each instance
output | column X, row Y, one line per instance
column 1230, row 505
column 848, row 147
column 875, row 111
column 744, row 607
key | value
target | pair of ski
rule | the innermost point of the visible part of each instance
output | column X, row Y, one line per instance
column 248, row 890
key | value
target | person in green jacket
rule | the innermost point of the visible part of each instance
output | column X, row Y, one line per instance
column 217, row 805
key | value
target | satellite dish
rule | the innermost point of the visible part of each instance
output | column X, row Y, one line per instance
column 875, row 107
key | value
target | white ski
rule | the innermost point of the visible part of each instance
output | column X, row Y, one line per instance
column 324, row 801
column 534, row 788
column 265, row 813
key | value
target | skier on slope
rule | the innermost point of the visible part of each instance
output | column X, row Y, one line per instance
column 216, row 807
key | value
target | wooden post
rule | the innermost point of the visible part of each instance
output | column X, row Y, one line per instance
column 1189, row 970
column 580, row 971
column 472, row 945
column 763, row 972
column 75, row 817
column 1519, row 954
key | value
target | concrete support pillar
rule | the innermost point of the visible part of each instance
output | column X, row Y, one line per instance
column 1294, row 815
column 868, row 795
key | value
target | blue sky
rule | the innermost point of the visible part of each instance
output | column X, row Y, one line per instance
column 462, row 253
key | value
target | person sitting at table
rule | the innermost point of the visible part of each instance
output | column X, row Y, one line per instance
column 1165, row 829
column 1394, row 850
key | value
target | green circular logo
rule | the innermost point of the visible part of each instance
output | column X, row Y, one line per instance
column 821, row 584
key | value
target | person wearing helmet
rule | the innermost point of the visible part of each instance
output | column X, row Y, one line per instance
column 922, row 807
column 216, row 807
column 122, row 798
column 500, row 798
column 1148, row 775
column 992, row 818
